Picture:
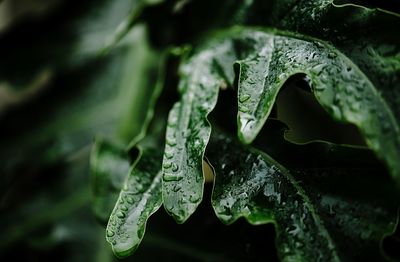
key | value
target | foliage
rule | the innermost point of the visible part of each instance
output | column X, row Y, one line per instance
column 119, row 67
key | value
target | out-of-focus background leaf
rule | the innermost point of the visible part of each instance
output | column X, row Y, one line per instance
column 57, row 91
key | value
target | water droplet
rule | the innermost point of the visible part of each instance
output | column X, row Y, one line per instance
column 332, row 55
column 176, row 188
column 120, row 214
column 175, row 167
column 167, row 165
column 129, row 200
column 243, row 98
column 319, row 68
column 171, row 142
column 243, row 109
column 139, row 187
column 194, row 198
column 172, row 177
column 110, row 233
column 168, row 154
column 172, row 122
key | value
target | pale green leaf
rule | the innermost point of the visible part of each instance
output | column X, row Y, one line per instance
column 139, row 198
column 188, row 129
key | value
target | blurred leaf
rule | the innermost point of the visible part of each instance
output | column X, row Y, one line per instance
column 109, row 167
column 140, row 194
column 127, row 24
column 64, row 39
column 50, row 217
column 98, row 98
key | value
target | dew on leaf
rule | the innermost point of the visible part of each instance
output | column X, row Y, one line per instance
column 169, row 177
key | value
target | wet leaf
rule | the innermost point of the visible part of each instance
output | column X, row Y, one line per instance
column 267, row 58
column 188, row 129
column 315, row 213
column 139, row 198
column 140, row 194
column 337, row 83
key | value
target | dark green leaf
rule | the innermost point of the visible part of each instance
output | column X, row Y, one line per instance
column 107, row 97
column 74, row 33
column 314, row 217
column 268, row 58
column 49, row 217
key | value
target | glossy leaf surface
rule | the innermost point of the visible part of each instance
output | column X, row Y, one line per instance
column 188, row 129
column 139, row 198
column 268, row 58
column 312, row 220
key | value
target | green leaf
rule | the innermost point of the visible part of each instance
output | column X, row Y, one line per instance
column 141, row 195
column 204, row 238
column 84, row 26
column 267, row 58
column 109, row 168
column 139, row 198
column 106, row 97
column 126, row 25
column 188, row 129
column 317, row 216
column 61, row 194
column 337, row 83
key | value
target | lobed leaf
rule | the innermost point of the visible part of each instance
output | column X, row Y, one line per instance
column 141, row 194
column 188, row 129
column 139, row 198
column 337, row 83
column 315, row 220
column 267, row 58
